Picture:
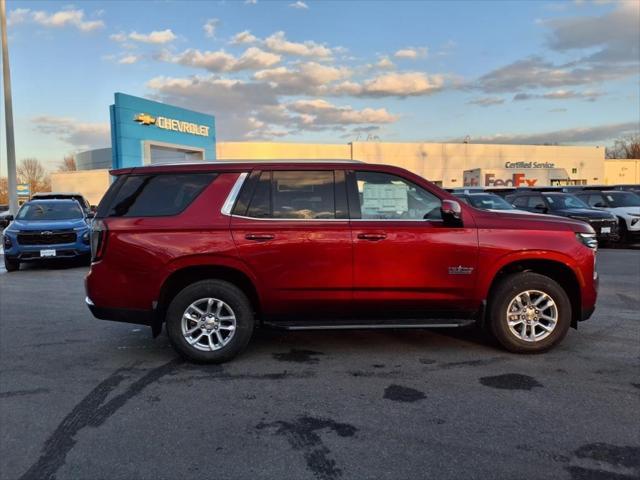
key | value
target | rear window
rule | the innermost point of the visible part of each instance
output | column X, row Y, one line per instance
column 155, row 195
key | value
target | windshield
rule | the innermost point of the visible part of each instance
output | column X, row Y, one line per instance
column 50, row 211
column 489, row 201
column 562, row 201
column 622, row 199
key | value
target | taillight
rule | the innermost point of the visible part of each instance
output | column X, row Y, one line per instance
column 98, row 239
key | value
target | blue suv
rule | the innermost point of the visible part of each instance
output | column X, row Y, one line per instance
column 46, row 229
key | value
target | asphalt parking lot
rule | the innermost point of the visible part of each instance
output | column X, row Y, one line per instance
column 87, row 399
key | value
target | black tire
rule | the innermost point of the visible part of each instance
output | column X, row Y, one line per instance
column 230, row 295
column 510, row 287
column 623, row 231
column 11, row 264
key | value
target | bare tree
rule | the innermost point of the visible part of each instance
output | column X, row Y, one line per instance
column 625, row 147
column 31, row 171
column 68, row 164
column 4, row 191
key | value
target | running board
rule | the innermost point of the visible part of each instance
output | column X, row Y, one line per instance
column 370, row 325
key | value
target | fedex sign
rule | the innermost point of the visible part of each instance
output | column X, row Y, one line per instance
column 516, row 180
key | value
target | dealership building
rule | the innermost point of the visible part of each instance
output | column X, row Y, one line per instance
column 144, row 132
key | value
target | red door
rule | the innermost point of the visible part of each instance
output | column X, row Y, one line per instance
column 406, row 261
column 297, row 240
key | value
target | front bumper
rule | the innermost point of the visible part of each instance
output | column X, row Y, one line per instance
column 31, row 253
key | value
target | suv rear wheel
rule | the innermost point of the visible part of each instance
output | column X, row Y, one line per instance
column 210, row 321
column 529, row 313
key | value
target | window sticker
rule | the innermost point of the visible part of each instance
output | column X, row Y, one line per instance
column 385, row 198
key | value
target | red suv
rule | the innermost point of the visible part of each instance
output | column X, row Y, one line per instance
column 215, row 249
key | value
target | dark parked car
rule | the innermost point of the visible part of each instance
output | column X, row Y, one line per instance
column 566, row 205
column 78, row 197
column 213, row 250
column 487, row 201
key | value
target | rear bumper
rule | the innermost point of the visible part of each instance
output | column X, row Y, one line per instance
column 139, row 317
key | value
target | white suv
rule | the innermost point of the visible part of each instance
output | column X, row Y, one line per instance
column 624, row 205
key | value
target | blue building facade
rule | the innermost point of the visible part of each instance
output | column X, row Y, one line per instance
column 144, row 132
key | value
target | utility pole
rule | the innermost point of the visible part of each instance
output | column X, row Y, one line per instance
column 8, row 112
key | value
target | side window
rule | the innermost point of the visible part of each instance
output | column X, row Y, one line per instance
column 260, row 205
column 534, row 201
column 158, row 195
column 595, row 198
column 303, row 195
column 388, row 197
column 521, row 202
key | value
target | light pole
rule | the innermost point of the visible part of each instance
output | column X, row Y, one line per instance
column 8, row 112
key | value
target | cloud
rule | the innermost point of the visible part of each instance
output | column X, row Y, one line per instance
column 235, row 101
column 600, row 133
column 243, row 37
column 68, row 17
column 411, row 52
column 156, row 37
column 614, row 34
column 299, row 5
column 81, row 135
column 253, row 110
column 250, row 2
column 535, row 72
column 306, row 78
column 407, row 84
column 220, row 61
column 588, row 95
column 19, row 15
column 129, row 59
column 210, row 27
column 384, row 63
column 321, row 112
column 279, row 44
column 557, row 110
column 486, row 101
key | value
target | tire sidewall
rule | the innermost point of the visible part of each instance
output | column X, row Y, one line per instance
column 10, row 264
column 221, row 290
column 507, row 291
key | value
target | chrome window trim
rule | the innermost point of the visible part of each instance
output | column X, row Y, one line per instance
column 334, row 219
column 293, row 219
column 233, row 194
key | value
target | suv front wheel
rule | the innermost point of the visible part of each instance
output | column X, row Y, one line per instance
column 529, row 313
column 210, row 321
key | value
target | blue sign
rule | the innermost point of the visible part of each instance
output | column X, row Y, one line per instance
column 145, row 132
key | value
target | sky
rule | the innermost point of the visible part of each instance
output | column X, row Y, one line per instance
column 532, row 72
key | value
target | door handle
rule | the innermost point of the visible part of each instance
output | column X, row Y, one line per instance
column 374, row 237
column 260, row 237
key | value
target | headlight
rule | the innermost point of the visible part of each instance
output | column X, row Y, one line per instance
column 588, row 240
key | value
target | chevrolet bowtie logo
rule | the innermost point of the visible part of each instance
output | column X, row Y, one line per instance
column 145, row 119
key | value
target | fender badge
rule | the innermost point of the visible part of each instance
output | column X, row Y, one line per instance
column 460, row 270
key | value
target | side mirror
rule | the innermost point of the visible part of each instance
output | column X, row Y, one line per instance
column 599, row 205
column 91, row 214
column 9, row 218
column 451, row 212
